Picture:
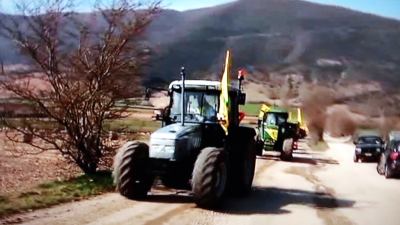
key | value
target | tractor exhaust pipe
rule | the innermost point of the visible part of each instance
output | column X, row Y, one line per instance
column 183, row 74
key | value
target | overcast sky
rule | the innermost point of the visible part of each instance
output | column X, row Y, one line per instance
column 386, row 8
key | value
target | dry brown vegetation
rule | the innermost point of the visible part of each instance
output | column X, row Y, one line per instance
column 340, row 123
column 315, row 101
column 22, row 166
column 87, row 74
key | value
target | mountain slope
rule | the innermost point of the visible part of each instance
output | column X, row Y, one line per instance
column 281, row 33
column 282, row 36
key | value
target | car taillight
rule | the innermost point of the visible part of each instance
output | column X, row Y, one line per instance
column 394, row 155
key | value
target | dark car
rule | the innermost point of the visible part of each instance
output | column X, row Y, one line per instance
column 389, row 161
column 368, row 148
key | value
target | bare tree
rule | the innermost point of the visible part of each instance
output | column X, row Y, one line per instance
column 87, row 64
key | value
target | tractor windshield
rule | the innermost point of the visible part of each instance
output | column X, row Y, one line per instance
column 199, row 106
column 275, row 119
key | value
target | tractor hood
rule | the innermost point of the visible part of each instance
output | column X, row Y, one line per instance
column 174, row 131
column 175, row 142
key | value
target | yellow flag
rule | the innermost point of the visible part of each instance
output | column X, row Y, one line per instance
column 264, row 109
column 224, row 97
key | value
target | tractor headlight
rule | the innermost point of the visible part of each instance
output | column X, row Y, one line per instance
column 162, row 148
column 162, row 151
column 378, row 150
column 358, row 150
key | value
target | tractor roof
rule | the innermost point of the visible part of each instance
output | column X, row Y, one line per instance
column 200, row 84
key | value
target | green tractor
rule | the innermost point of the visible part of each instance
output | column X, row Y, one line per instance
column 278, row 131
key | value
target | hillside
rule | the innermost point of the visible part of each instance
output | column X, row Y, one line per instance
column 276, row 35
column 273, row 36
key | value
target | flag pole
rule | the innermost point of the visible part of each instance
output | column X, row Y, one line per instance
column 183, row 74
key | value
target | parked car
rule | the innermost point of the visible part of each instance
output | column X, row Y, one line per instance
column 389, row 161
column 368, row 148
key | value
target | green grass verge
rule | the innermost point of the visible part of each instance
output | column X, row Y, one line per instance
column 56, row 192
column 251, row 109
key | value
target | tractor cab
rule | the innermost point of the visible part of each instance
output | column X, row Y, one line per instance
column 271, row 126
column 278, row 131
column 200, row 103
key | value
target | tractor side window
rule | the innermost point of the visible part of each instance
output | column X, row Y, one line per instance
column 281, row 120
column 210, row 107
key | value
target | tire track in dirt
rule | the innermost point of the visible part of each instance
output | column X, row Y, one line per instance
column 196, row 216
column 169, row 215
column 261, row 167
column 191, row 215
column 163, row 207
column 325, row 201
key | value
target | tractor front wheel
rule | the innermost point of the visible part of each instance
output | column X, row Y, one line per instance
column 131, row 171
column 209, row 177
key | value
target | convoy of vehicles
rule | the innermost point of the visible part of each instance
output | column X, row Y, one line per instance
column 373, row 148
column 213, row 156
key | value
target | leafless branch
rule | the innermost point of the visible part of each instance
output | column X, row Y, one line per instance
column 86, row 66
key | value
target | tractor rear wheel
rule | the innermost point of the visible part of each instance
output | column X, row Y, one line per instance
column 287, row 150
column 243, row 169
column 209, row 177
column 131, row 172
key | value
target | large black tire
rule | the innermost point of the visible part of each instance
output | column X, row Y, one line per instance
column 287, row 150
column 388, row 172
column 242, row 169
column 131, row 170
column 209, row 177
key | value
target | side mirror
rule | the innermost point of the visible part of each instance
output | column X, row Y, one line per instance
column 355, row 142
column 242, row 99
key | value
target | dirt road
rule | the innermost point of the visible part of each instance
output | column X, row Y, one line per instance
column 316, row 188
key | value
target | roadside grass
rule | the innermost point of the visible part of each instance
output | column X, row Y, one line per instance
column 251, row 109
column 56, row 192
